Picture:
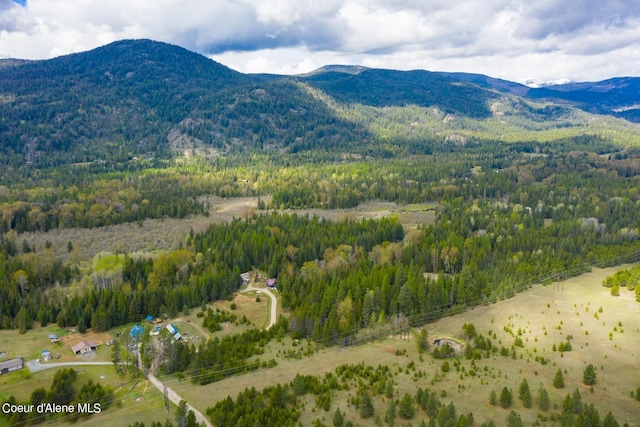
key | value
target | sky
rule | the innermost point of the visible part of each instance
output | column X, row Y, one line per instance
column 517, row 40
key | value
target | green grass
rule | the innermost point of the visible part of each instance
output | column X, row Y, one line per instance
column 30, row 344
column 542, row 308
column 144, row 403
column 134, row 402
column 256, row 312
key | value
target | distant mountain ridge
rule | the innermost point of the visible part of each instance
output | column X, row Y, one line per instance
column 142, row 98
column 619, row 96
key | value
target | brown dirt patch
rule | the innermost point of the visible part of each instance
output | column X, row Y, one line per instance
column 97, row 337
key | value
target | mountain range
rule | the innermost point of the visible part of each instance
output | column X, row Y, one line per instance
column 141, row 99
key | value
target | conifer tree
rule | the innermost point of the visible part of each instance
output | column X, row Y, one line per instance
column 406, row 408
column 589, row 375
column 558, row 379
column 366, row 406
column 506, row 397
column 543, row 401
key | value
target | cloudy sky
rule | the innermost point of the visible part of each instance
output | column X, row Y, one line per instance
column 520, row 40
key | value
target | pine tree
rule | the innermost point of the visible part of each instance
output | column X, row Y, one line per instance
column 558, row 379
column 514, row 420
column 609, row 421
column 366, row 406
column 390, row 416
column 543, row 401
column 506, row 397
column 576, row 399
column 525, row 393
column 388, row 389
column 338, row 418
column 493, row 398
column 406, row 408
column 527, row 399
column 589, row 376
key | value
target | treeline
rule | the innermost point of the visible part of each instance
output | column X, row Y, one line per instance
column 206, row 271
column 94, row 202
column 84, row 199
column 218, row 358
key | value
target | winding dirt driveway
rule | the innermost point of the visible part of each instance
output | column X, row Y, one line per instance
column 175, row 398
column 274, row 301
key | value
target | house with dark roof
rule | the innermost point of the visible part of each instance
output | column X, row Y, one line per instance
column 11, row 365
column 84, row 347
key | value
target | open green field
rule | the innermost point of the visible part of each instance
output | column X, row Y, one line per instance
column 256, row 312
column 545, row 315
column 134, row 400
column 31, row 344
column 604, row 332
column 142, row 403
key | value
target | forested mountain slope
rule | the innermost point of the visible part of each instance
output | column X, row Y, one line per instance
column 144, row 99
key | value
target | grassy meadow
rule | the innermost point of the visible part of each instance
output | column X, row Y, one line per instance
column 545, row 315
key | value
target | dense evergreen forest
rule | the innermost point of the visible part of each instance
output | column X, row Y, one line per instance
column 504, row 221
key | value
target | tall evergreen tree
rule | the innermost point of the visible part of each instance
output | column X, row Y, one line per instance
column 542, row 400
column 506, row 397
column 366, row 405
column 589, row 375
column 406, row 408
column 558, row 379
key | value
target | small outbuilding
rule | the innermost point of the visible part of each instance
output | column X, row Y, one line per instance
column 271, row 283
column 54, row 338
column 136, row 332
column 11, row 365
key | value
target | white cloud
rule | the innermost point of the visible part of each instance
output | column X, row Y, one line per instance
column 547, row 39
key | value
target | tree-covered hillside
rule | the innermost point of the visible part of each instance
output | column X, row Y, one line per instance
column 141, row 99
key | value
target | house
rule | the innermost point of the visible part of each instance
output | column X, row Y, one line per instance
column 271, row 283
column 84, row 347
column 11, row 365
column 174, row 331
column 45, row 355
column 53, row 338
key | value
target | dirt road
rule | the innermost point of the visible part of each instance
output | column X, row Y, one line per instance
column 274, row 301
column 175, row 398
